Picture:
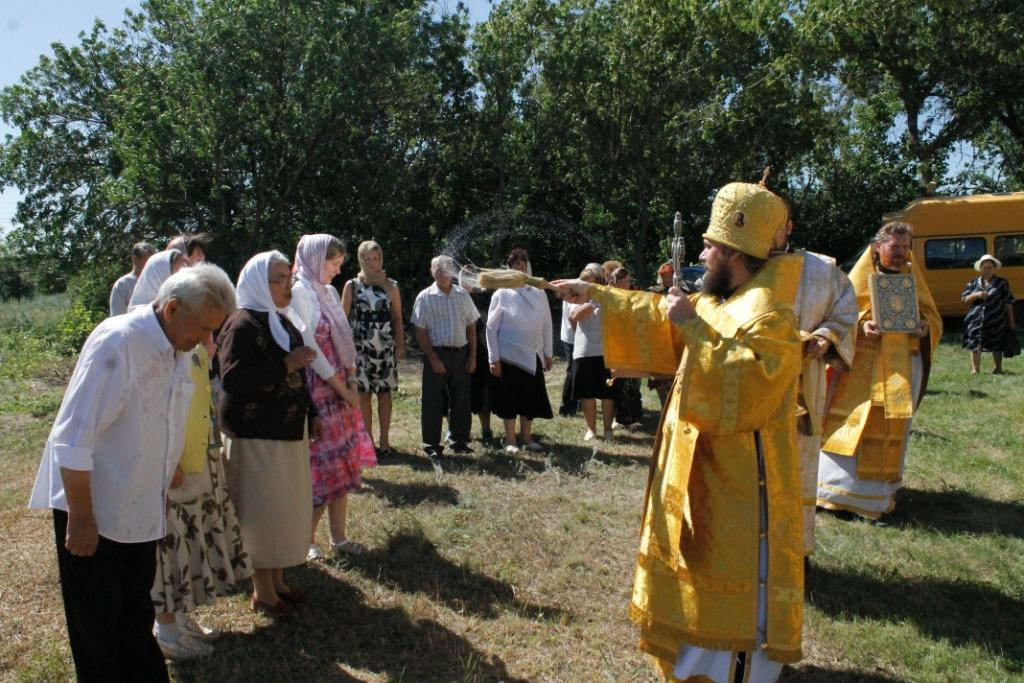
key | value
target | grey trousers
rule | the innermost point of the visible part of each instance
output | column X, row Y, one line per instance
column 446, row 395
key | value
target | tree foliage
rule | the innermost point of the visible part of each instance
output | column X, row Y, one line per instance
column 257, row 121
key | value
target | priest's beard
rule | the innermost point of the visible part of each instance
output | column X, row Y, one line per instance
column 716, row 282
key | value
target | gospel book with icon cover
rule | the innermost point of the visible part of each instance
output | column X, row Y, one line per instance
column 894, row 302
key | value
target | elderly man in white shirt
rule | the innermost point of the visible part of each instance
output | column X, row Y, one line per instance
column 445, row 317
column 109, row 462
column 121, row 292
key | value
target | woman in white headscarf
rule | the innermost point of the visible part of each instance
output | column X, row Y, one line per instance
column 203, row 555
column 158, row 268
column 336, row 458
column 264, row 412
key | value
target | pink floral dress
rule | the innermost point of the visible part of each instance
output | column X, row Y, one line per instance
column 338, row 457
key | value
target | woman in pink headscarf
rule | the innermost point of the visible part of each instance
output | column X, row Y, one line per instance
column 337, row 458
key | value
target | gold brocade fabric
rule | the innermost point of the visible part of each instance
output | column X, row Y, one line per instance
column 873, row 400
column 697, row 566
column 197, row 424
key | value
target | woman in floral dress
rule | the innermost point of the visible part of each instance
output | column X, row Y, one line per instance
column 373, row 305
column 203, row 555
column 337, row 458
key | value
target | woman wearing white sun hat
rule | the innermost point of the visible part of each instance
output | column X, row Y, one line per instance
column 989, row 324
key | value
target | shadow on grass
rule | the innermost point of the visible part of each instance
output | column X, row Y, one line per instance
column 816, row 673
column 337, row 628
column 570, row 459
column 574, row 459
column 961, row 612
column 410, row 563
column 409, row 495
column 956, row 511
column 972, row 393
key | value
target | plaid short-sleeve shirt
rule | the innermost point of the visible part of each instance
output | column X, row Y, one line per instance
column 444, row 316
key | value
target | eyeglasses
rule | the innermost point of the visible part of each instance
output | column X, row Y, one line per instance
column 291, row 279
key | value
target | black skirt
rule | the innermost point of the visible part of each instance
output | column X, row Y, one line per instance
column 520, row 394
column 590, row 379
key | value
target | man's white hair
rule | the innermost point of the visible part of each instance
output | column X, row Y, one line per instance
column 445, row 264
column 204, row 285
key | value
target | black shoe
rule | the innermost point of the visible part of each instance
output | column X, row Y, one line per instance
column 462, row 448
column 433, row 452
column 486, row 439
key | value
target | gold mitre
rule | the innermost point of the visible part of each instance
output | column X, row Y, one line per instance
column 746, row 217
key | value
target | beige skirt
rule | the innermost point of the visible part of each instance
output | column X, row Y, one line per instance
column 269, row 483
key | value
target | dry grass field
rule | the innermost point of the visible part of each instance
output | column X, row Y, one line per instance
column 519, row 568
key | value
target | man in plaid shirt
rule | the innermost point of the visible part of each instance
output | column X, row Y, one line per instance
column 444, row 318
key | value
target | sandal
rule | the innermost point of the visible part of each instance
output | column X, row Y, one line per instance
column 349, row 547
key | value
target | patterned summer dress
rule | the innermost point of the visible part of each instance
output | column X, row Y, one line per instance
column 374, row 338
column 337, row 458
column 203, row 555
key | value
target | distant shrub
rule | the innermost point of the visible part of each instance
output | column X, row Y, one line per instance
column 89, row 294
column 90, row 287
column 14, row 285
column 76, row 325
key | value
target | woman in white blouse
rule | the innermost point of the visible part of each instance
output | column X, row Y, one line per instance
column 519, row 350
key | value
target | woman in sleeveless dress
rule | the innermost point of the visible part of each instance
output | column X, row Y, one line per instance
column 374, row 308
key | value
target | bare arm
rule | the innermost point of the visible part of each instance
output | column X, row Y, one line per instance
column 346, row 298
column 82, row 535
column 581, row 313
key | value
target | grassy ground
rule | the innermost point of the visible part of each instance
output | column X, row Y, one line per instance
column 519, row 568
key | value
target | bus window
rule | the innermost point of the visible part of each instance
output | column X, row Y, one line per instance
column 956, row 252
column 1010, row 250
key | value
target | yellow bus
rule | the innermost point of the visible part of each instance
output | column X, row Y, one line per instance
column 951, row 233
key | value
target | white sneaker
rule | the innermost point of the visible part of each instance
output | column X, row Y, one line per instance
column 589, row 435
column 617, row 425
column 196, row 631
column 511, row 449
column 185, row 647
column 314, row 553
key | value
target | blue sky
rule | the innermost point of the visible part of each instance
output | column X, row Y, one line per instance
column 29, row 27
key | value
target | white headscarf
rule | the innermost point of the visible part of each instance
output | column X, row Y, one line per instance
column 310, row 256
column 253, row 291
column 156, row 270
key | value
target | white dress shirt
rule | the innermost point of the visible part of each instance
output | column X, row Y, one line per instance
column 123, row 418
column 306, row 304
column 567, row 333
column 121, row 293
column 445, row 317
column 519, row 328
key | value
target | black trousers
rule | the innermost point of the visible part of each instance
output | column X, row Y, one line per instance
column 446, row 395
column 109, row 610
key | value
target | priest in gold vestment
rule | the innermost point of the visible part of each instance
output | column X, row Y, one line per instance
column 868, row 422
column 718, row 590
